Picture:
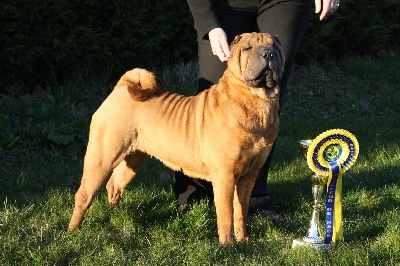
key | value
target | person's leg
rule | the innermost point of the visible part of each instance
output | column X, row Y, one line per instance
column 188, row 190
column 288, row 20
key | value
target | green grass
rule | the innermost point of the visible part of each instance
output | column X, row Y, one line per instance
column 40, row 172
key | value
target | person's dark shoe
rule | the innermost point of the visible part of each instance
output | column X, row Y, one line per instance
column 257, row 206
column 262, row 206
column 183, row 208
column 260, row 203
column 272, row 216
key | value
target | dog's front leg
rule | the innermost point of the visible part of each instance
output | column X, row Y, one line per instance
column 242, row 194
column 223, row 198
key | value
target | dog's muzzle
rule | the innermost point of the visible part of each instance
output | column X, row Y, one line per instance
column 263, row 68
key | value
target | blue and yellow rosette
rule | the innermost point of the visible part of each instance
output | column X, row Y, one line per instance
column 331, row 154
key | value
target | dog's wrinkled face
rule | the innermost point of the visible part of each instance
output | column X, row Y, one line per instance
column 260, row 59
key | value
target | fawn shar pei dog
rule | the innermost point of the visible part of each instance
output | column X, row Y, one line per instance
column 223, row 134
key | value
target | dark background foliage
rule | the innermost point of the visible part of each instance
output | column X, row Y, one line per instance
column 49, row 41
column 359, row 27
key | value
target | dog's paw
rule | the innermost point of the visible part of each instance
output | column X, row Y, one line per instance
column 241, row 238
column 226, row 243
column 246, row 239
column 114, row 194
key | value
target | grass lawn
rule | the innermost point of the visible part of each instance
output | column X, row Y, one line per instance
column 42, row 144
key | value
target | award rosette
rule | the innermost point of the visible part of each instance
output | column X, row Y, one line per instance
column 331, row 154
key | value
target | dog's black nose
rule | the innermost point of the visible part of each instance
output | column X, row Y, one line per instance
column 266, row 52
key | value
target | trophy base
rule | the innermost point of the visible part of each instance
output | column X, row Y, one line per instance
column 318, row 246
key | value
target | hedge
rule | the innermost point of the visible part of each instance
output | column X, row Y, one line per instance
column 45, row 41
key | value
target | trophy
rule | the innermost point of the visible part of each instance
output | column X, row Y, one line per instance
column 329, row 155
column 318, row 182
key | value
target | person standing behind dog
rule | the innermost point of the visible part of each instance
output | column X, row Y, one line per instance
column 217, row 22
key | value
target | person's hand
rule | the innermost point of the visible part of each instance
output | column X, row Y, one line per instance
column 219, row 44
column 326, row 7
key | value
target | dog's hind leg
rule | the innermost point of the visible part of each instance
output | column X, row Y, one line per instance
column 102, row 156
column 123, row 174
column 242, row 194
column 94, row 175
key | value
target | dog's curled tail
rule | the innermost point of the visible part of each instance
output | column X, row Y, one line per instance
column 141, row 83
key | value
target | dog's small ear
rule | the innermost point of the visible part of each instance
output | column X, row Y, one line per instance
column 236, row 40
column 277, row 39
column 278, row 46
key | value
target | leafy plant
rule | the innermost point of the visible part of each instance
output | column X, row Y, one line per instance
column 45, row 40
column 43, row 123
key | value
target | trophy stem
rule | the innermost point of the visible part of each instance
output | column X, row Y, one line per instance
column 314, row 234
column 313, row 237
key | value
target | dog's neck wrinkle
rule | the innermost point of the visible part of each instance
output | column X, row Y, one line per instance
column 231, row 79
column 254, row 113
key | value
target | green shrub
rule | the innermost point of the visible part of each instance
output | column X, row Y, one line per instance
column 49, row 40
column 359, row 27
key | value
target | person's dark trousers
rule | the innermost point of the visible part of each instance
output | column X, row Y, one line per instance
column 286, row 19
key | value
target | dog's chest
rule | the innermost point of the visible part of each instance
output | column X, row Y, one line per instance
column 254, row 153
column 256, row 143
column 256, row 116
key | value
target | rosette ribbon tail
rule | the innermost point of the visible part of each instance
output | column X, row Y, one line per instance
column 334, row 217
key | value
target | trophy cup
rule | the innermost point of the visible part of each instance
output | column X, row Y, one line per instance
column 318, row 182
column 329, row 155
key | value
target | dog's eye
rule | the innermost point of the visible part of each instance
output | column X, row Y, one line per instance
column 248, row 48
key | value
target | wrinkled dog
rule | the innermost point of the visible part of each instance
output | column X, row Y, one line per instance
column 223, row 134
